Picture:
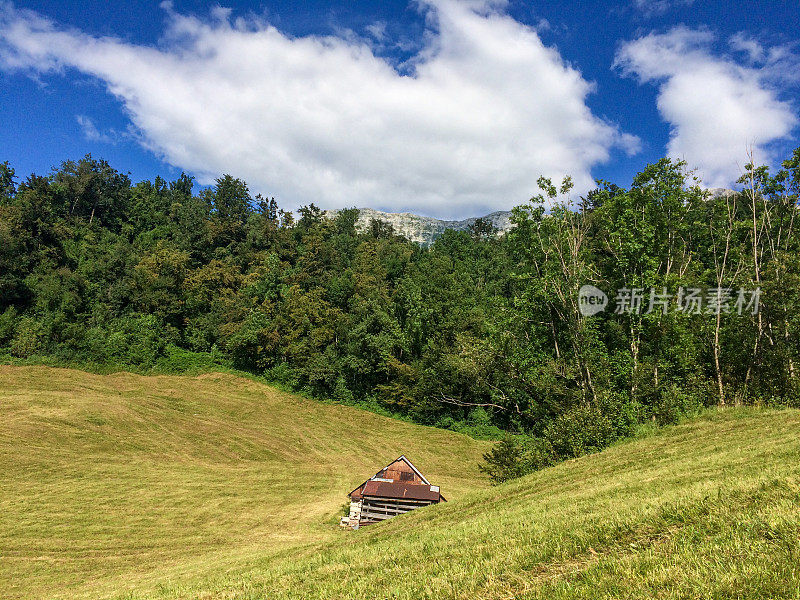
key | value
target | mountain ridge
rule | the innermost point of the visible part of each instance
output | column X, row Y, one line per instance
column 425, row 230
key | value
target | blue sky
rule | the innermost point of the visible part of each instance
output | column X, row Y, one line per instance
column 450, row 108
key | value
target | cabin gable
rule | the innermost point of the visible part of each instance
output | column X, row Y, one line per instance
column 401, row 470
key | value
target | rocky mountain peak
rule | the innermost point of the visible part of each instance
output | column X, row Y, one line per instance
column 425, row 230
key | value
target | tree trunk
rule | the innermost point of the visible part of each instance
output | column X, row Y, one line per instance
column 720, row 387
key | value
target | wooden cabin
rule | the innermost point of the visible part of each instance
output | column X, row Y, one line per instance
column 397, row 488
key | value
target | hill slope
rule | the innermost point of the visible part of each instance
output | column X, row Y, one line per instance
column 116, row 482
column 708, row 509
column 704, row 509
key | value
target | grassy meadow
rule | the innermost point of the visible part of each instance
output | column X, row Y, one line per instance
column 121, row 482
column 134, row 487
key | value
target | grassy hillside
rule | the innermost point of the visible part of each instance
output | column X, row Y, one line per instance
column 708, row 509
column 119, row 482
column 211, row 487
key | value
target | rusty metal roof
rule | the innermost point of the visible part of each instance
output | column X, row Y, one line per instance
column 398, row 490
column 377, row 475
column 410, row 491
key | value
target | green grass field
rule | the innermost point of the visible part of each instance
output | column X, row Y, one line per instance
column 126, row 486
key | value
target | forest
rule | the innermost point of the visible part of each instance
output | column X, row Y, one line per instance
column 480, row 333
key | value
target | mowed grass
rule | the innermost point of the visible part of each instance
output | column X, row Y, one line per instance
column 210, row 488
column 118, row 484
column 706, row 509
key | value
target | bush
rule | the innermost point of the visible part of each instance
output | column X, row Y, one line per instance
column 517, row 455
column 623, row 414
column 341, row 392
column 179, row 360
column 250, row 341
column 29, row 338
column 478, row 425
column 139, row 341
column 581, row 430
column 8, row 322
column 674, row 404
column 283, row 374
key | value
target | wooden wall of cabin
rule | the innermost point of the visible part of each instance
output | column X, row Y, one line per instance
column 374, row 510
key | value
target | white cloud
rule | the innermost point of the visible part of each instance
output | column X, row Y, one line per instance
column 744, row 43
column 486, row 111
column 716, row 107
column 779, row 64
column 652, row 8
column 377, row 30
column 93, row 134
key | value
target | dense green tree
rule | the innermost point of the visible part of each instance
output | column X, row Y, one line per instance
column 7, row 183
column 478, row 332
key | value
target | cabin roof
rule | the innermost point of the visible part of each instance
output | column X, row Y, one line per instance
column 400, row 491
column 403, row 458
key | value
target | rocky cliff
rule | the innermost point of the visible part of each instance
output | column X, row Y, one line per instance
column 425, row 230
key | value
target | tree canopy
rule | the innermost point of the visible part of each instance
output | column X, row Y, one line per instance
column 478, row 332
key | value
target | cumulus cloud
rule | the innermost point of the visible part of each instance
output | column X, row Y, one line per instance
column 717, row 107
column 478, row 114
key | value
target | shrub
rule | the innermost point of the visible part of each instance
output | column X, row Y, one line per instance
column 131, row 342
column 29, row 338
column 581, row 430
column 623, row 415
column 249, row 343
column 341, row 392
column 8, row 322
column 139, row 341
column 179, row 360
column 673, row 404
column 515, row 456
column 478, row 425
column 283, row 374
